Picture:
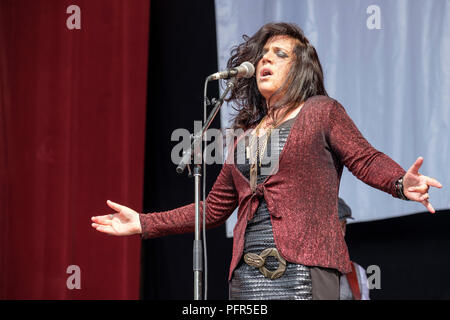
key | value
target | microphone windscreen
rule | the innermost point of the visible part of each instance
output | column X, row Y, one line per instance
column 250, row 69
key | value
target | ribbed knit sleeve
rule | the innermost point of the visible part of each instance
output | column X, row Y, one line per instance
column 357, row 154
column 220, row 203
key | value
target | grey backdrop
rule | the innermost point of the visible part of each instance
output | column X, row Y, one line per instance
column 387, row 63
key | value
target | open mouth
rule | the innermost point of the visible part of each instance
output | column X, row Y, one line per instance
column 265, row 73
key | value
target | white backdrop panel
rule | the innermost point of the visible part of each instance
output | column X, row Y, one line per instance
column 387, row 62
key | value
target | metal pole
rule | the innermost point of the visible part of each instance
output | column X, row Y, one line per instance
column 186, row 159
column 198, row 246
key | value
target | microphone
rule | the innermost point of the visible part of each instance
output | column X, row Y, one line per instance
column 245, row 70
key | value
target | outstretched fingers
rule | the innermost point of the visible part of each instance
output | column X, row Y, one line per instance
column 425, row 185
column 115, row 206
column 104, row 229
column 104, row 220
column 416, row 166
column 433, row 182
column 104, row 223
column 428, row 205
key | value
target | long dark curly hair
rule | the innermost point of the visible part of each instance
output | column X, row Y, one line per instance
column 304, row 80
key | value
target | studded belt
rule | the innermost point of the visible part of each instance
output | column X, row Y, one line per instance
column 259, row 261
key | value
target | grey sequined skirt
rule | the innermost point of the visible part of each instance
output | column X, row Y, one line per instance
column 248, row 283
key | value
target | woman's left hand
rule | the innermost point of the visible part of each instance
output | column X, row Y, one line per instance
column 415, row 185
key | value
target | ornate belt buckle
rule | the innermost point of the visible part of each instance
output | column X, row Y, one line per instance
column 259, row 261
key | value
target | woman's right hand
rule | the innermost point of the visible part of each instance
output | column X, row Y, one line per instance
column 122, row 223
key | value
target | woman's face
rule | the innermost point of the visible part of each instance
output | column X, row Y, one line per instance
column 273, row 68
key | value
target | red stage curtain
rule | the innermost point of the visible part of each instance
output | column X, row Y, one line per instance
column 72, row 135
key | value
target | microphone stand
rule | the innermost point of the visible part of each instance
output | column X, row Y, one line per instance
column 191, row 154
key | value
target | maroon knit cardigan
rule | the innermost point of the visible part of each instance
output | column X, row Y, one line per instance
column 302, row 197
